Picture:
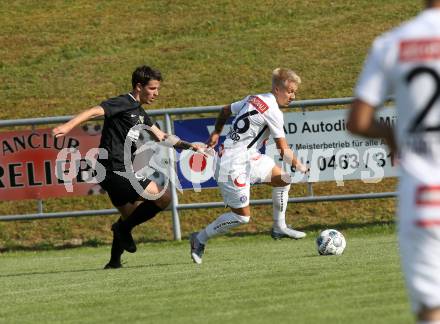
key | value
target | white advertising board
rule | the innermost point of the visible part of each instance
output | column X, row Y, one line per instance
column 320, row 140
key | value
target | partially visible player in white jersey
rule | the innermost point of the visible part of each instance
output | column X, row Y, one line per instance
column 240, row 163
column 406, row 62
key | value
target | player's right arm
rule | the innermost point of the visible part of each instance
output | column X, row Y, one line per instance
column 288, row 156
column 86, row 115
column 361, row 121
column 275, row 121
column 171, row 140
column 373, row 86
column 222, row 118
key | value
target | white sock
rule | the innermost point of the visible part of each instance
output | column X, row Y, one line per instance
column 428, row 322
column 222, row 225
column 280, row 195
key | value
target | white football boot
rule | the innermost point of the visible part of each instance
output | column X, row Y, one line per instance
column 197, row 248
column 287, row 232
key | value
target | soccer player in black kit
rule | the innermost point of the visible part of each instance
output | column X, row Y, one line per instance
column 124, row 119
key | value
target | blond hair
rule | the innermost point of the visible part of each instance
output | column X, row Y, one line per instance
column 280, row 76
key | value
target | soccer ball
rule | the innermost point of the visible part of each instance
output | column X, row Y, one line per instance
column 330, row 242
column 158, row 177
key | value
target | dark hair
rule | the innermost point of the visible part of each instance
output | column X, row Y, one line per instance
column 431, row 3
column 143, row 74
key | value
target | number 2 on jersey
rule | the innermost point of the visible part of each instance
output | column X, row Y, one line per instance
column 417, row 125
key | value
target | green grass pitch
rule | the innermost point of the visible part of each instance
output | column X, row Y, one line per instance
column 244, row 279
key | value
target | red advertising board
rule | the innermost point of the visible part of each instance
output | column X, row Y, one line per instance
column 28, row 163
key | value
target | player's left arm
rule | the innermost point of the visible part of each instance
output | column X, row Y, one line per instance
column 275, row 121
column 288, row 156
column 220, row 122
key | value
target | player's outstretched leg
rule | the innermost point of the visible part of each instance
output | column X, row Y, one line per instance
column 122, row 233
column 280, row 229
column 221, row 225
column 122, row 229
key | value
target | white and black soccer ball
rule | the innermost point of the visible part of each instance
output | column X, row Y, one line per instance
column 330, row 242
column 158, row 177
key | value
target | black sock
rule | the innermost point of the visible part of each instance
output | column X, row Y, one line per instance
column 116, row 252
column 144, row 212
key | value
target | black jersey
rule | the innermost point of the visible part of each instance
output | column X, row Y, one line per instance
column 121, row 114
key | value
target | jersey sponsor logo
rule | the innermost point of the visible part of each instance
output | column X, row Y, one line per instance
column 419, row 50
column 259, row 104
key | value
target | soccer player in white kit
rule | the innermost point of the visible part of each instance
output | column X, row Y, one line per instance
column 406, row 62
column 240, row 163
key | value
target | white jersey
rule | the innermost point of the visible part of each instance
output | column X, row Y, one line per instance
column 406, row 62
column 257, row 117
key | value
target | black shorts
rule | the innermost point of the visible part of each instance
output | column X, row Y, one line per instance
column 120, row 189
